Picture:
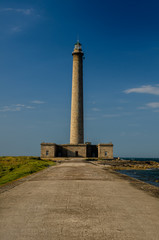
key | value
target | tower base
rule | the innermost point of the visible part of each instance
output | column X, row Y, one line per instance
column 52, row 150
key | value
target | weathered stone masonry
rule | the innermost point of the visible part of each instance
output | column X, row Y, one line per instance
column 76, row 128
column 52, row 150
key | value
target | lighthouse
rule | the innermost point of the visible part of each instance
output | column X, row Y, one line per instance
column 77, row 147
column 77, row 125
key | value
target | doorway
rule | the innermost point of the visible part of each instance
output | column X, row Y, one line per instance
column 76, row 153
column 93, row 154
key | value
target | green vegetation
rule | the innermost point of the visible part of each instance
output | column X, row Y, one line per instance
column 12, row 168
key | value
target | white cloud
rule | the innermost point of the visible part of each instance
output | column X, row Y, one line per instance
column 38, row 102
column 153, row 105
column 27, row 11
column 15, row 108
column 144, row 89
column 30, row 107
column 20, row 105
column 10, row 109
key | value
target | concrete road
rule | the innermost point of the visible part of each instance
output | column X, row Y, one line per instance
column 76, row 201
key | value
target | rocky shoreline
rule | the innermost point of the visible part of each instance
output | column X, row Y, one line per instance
column 119, row 164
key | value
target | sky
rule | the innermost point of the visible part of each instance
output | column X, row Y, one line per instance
column 120, row 40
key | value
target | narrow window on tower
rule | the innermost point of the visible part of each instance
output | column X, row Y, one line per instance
column 47, row 153
column 105, row 153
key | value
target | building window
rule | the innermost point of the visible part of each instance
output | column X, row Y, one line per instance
column 47, row 153
column 106, row 154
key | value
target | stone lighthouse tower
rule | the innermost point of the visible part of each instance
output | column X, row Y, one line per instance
column 77, row 129
column 77, row 147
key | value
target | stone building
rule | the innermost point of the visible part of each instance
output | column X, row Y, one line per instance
column 77, row 147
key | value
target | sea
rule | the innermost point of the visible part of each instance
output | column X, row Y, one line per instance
column 150, row 176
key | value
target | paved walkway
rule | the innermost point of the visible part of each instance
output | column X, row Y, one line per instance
column 78, row 201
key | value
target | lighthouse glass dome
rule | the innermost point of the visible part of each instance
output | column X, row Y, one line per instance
column 78, row 46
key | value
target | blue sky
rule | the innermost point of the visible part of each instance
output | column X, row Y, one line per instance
column 120, row 40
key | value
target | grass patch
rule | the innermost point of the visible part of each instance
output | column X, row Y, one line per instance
column 12, row 168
